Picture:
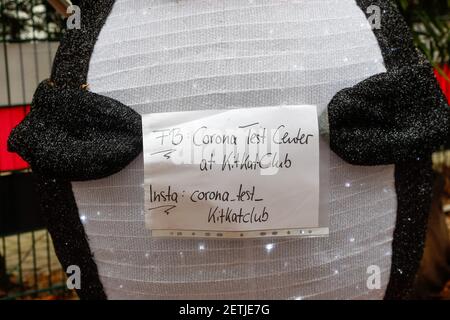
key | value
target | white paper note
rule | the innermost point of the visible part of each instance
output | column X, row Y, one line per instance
column 232, row 173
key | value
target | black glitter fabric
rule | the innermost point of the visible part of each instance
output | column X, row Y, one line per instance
column 69, row 238
column 414, row 186
column 389, row 118
column 416, row 86
column 71, row 64
column 74, row 134
column 69, row 72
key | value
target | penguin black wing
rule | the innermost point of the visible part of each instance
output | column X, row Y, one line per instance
column 392, row 117
column 398, row 117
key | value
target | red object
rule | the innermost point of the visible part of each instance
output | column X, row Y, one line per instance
column 445, row 83
column 9, row 118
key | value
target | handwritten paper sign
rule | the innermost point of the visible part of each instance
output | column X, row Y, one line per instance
column 232, row 173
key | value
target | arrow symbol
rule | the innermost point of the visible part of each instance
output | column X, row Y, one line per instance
column 165, row 208
column 166, row 154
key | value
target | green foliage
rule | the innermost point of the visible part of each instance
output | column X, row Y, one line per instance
column 25, row 20
column 430, row 23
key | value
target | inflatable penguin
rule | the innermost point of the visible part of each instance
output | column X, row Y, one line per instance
column 378, row 102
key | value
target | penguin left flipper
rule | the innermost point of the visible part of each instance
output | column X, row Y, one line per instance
column 391, row 117
column 75, row 135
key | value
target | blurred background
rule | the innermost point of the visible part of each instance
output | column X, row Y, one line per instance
column 30, row 31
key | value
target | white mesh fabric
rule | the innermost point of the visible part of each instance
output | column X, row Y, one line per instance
column 167, row 55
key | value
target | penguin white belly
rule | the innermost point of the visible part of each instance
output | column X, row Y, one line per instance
column 168, row 55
